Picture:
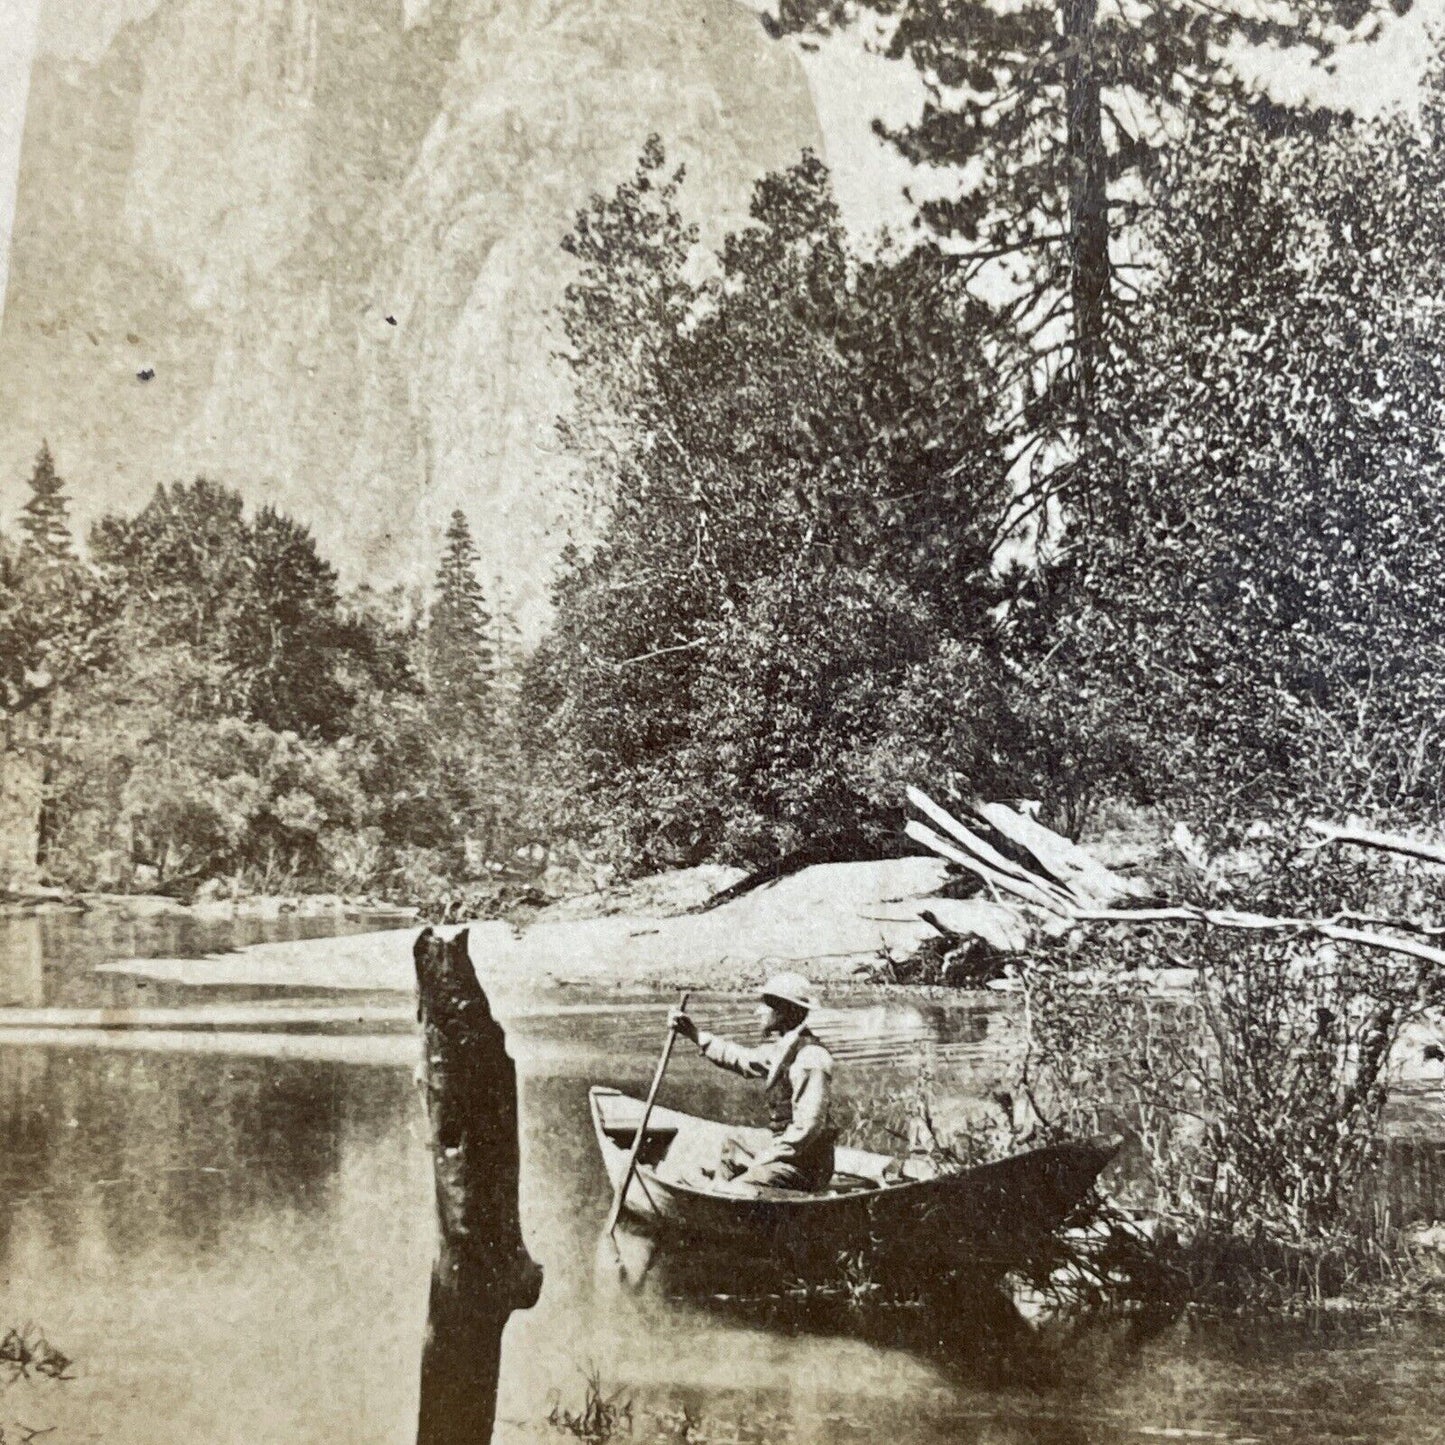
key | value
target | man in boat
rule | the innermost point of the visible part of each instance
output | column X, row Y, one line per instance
column 796, row 1072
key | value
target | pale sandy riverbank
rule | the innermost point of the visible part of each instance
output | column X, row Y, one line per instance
column 832, row 919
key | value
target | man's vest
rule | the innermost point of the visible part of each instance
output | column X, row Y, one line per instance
column 779, row 1092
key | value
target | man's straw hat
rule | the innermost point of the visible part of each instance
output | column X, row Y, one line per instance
column 790, row 988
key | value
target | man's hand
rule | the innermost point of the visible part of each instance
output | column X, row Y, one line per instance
column 681, row 1022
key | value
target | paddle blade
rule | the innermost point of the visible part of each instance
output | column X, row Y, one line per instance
column 624, row 1258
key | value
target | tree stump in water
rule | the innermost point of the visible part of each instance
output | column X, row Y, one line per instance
column 483, row 1270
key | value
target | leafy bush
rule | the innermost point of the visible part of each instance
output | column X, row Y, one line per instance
column 798, row 479
column 1254, row 1094
column 1248, row 611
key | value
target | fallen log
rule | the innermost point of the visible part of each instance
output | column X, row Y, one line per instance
column 1078, row 873
column 1036, row 894
column 1040, row 891
column 986, row 853
column 483, row 1271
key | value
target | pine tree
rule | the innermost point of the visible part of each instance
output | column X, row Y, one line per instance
column 51, row 620
column 1060, row 112
column 45, row 517
column 461, row 664
column 508, row 653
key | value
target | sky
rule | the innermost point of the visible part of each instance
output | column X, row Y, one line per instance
column 849, row 88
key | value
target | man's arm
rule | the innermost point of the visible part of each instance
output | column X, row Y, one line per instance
column 810, row 1108
column 750, row 1063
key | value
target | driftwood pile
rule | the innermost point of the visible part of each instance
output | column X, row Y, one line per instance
column 1059, row 885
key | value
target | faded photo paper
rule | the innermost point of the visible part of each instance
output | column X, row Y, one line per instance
column 722, row 721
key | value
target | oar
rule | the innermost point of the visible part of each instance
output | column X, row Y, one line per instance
column 631, row 1169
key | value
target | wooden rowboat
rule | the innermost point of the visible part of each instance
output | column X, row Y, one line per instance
column 990, row 1219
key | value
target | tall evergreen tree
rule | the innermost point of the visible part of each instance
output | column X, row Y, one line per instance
column 461, row 664
column 53, row 619
column 45, row 519
column 1058, row 112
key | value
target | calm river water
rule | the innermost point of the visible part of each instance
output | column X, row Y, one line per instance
column 231, row 1237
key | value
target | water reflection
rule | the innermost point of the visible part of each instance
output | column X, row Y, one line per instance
column 220, row 1244
column 22, row 964
column 973, row 1332
column 239, row 1247
column 47, row 959
column 129, row 1152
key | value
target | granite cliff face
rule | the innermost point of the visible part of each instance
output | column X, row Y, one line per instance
column 240, row 195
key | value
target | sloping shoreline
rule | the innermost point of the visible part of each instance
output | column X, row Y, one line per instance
column 832, row 919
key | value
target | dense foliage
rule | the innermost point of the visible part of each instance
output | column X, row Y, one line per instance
column 800, row 483
column 250, row 603
column 797, row 459
column 814, row 567
column 1253, row 600
column 1254, row 1087
column 208, row 703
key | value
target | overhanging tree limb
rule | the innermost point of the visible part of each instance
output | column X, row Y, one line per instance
column 1264, row 923
column 1368, row 838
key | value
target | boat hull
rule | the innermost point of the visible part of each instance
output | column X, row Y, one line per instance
column 991, row 1219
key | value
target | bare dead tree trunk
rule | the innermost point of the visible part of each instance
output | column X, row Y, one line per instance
column 483, row 1270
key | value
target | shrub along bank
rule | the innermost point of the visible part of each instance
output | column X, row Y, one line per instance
column 1246, row 1047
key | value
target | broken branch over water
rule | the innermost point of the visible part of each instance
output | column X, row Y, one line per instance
column 1259, row 922
column 1369, row 838
column 1068, row 884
